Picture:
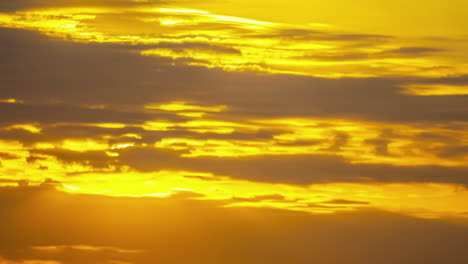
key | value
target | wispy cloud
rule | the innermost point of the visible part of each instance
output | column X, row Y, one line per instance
column 239, row 44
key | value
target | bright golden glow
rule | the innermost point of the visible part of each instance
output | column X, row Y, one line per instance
column 321, row 136
column 241, row 44
column 357, row 142
column 233, row 132
column 436, row 89
column 4, row 261
column 28, row 127
column 184, row 106
column 11, row 101
column 234, row 43
column 425, row 200
column 85, row 248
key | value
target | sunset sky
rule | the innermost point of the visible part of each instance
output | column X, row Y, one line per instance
column 233, row 132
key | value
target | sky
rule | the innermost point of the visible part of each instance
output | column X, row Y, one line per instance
column 228, row 132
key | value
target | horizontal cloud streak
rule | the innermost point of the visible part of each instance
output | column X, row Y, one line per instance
column 149, row 225
column 134, row 98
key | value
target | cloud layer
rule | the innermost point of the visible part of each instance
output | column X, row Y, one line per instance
column 136, row 132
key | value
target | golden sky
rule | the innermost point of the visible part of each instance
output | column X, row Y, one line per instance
column 257, row 132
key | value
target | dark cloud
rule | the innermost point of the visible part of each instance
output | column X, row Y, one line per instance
column 431, row 137
column 56, row 133
column 32, row 159
column 404, row 52
column 292, row 169
column 96, row 159
column 180, row 47
column 453, row 151
column 20, row 183
column 62, row 85
column 8, row 156
column 203, row 178
column 164, row 228
column 455, row 80
column 410, row 51
column 300, row 143
column 38, row 69
column 62, row 113
column 380, row 146
column 14, row 5
column 61, row 71
column 342, row 201
column 260, row 198
column 71, row 254
column 317, row 35
column 321, row 206
column 339, row 140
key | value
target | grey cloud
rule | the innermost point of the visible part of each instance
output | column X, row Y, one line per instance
column 321, row 206
column 259, row 198
column 20, row 183
column 178, row 47
column 207, row 233
column 7, row 156
column 426, row 136
column 61, row 71
column 58, row 132
column 410, row 51
column 62, row 113
column 342, row 201
column 300, row 143
column 203, row 178
column 404, row 52
column 453, row 151
column 317, row 35
column 96, row 159
column 39, row 69
column 456, row 80
column 297, row 169
column 15, row 5
column 339, row 140
column 380, row 146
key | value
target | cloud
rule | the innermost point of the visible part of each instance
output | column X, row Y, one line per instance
column 61, row 71
column 453, row 151
column 7, row 156
column 28, row 261
column 260, row 198
column 181, row 122
column 161, row 228
column 292, row 169
column 195, row 37
column 62, row 113
column 403, row 52
column 313, row 34
column 15, row 5
column 342, row 201
column 95, row 159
